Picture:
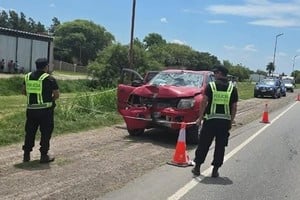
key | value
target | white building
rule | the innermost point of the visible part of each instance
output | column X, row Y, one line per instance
column 25, row 48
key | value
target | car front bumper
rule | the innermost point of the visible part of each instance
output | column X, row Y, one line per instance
column 143, row 117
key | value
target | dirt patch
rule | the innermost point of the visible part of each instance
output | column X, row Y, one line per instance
column 92, row 163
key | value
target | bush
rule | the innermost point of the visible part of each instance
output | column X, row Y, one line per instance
column 13, row 86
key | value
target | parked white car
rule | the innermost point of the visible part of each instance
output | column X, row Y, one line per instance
column 289, row 85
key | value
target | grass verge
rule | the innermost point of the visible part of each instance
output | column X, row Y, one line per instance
column 80, row 102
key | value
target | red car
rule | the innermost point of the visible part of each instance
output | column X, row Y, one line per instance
column 169, row 98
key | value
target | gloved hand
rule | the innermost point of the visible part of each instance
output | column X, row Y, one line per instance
column 198, row 122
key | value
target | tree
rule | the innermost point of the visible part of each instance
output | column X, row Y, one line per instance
column 153, row 39
column 179, row 55
column 31, row 23
column 40, row 28
column 107, row 66
column 203, row 61
column 4, row 19
column 270, row 68
column 23, row 25
column 13, row 20
column 261, row 72
column 54, row 25
column 81, row 40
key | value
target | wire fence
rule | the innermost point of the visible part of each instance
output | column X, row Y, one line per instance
column 64, row 66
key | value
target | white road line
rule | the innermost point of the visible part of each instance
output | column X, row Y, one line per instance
column 190, row 185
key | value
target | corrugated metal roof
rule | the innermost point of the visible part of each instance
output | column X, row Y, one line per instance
column 13, row 32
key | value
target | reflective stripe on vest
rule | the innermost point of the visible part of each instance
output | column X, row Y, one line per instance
column 220, row 98
column 36, row 87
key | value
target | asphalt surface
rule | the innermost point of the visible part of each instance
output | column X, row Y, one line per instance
column 262, row 162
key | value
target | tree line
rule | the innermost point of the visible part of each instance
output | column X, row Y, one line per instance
column 85, row 43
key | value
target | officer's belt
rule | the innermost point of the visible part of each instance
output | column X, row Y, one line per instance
column 40, row 106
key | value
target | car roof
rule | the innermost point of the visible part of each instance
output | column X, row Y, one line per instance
column 187, row 71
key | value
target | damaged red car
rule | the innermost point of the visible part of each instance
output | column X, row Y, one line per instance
column 172, row 96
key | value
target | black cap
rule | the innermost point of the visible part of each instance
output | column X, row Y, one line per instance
column 41, row 63
column 220, row 68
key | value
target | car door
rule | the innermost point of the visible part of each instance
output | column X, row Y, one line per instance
column 129, row 80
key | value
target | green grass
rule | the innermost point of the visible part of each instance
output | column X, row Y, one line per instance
column 78, row 104
column 74, row 113
column 245, row 90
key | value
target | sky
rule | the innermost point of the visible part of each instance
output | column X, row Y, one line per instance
column 242, row 32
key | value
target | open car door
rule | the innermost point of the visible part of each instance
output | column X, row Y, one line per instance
column 129, row 80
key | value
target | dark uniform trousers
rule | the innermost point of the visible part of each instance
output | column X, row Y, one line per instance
column 213, row 128
column 39, row 118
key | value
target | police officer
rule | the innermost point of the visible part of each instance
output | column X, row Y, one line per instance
column 41, row 90
column 218, row 111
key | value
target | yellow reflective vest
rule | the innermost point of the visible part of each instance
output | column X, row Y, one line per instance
column 220, row 98
column 36, row 87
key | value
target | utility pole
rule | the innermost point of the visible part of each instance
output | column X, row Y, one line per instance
column 275, row 48
column 294, row 64
column 131, row 36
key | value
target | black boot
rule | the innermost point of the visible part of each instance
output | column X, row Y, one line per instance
column 45, row 158
column 26, row 156
column 215, row 172
column 196, row 170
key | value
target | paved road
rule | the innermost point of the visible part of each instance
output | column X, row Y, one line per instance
column 262, row 162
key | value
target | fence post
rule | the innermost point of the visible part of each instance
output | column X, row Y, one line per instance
column 75, row 67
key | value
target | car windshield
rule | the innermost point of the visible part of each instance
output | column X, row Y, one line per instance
column 287, row 81
column 179, row 79
column 268, row 82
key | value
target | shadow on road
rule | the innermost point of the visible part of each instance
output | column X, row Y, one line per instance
column 32, row 165
column 217, row 181
column 161, row 137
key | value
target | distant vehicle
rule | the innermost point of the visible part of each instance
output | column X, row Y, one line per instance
column 268, row 87
column 289, row 77
column 289, row 85
column 169, row 98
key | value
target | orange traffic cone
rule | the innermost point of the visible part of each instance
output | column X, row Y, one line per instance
column 181, row 158
column 265, row 116
column 298, row 97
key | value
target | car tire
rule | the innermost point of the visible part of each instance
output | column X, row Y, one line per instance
column 192, row 134
column 136, row 132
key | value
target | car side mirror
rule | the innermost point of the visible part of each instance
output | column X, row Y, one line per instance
column 137, row 83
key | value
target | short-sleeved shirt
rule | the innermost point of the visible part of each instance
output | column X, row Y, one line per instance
column 49, row 84
column 221, row 85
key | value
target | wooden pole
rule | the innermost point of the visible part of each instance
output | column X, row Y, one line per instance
column 131, row 36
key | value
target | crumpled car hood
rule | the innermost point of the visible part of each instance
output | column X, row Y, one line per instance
column 166, row 91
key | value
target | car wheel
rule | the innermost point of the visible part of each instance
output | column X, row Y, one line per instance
column 192, row 134
column 284, row 94
column 136, row 132
column 292, row 90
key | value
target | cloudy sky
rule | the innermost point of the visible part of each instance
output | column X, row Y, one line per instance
column 240, row 31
